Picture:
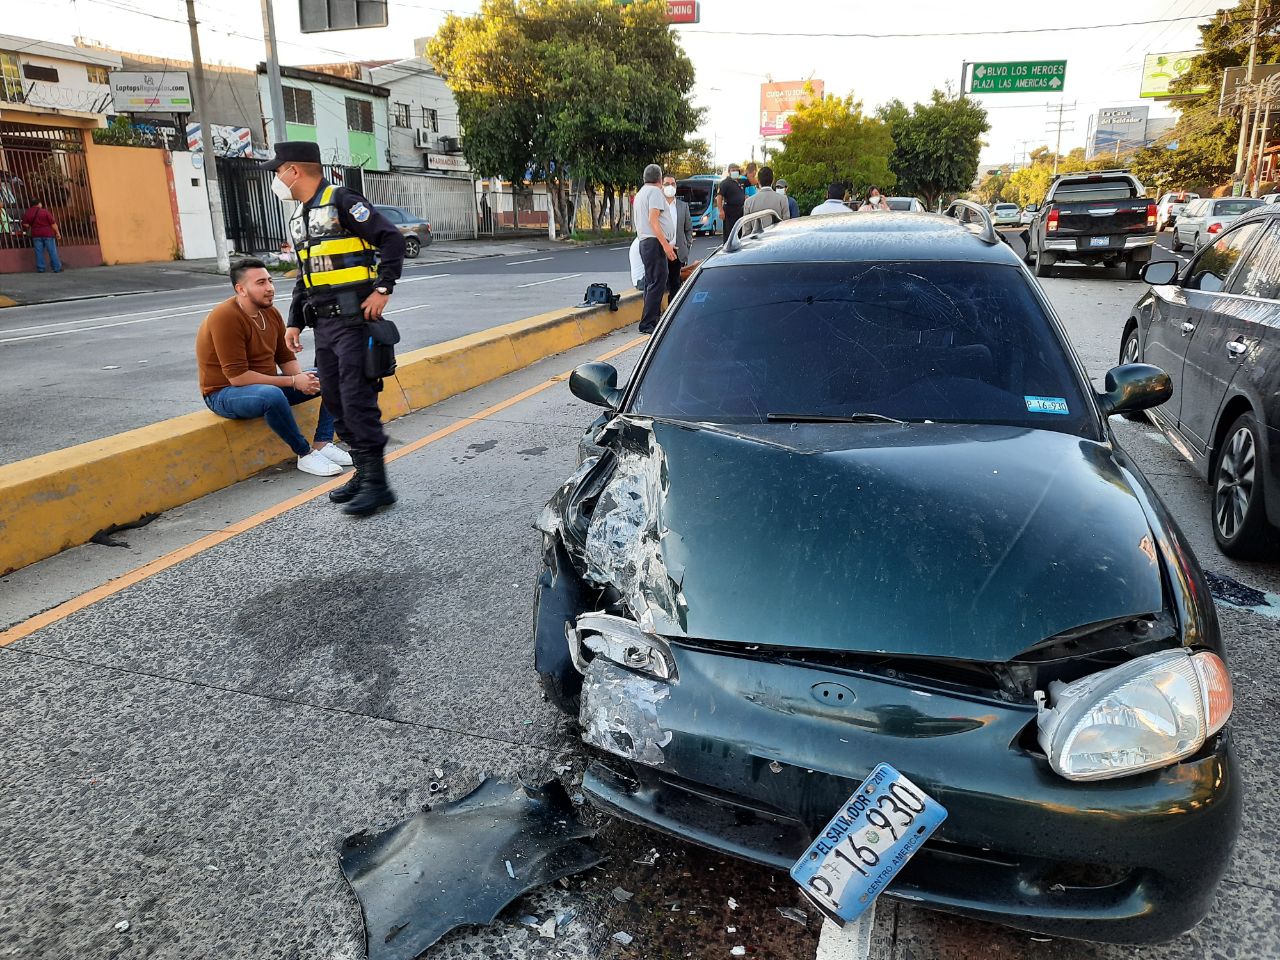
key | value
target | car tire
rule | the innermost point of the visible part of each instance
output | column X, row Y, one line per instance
column 1175, row 243
column 1044, row 265
column 1132, row 269
column 1195, row 243
column 1131, row 352
column 412, row 246
column 1237, row 505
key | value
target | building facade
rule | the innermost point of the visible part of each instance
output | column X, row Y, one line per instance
column 347, row 118
column 422, row 119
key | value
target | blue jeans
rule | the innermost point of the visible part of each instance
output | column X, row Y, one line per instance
column 272, row 404
column 46, row 246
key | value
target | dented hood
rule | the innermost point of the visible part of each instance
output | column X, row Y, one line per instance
column 960, row 541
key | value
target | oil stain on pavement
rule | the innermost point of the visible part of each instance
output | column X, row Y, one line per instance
column 1243, row 597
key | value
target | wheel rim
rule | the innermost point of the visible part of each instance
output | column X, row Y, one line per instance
column 1233, row 490
column 1131, row 349
column 411, row 248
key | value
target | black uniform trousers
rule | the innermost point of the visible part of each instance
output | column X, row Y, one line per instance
column 731, row 216
column 341, row 343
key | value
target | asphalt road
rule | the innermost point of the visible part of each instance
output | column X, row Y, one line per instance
column 184, row 756
column 87, row 369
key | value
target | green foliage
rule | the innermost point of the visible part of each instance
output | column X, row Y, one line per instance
column 994, row 188
column 120, row 133
column 936, row 145
column 691, row 159
column 832, row 141
column 590, row 88
column 1205, row 158
column 1029, row 184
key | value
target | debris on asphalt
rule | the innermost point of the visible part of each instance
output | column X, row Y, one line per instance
column 739, row 951
column 122, row 926
column 775, row 766
column 733, row 904
column 622, row 896
column 566, row 918
column 451, row 865
column 529, row 920
column 578, row 799
column 547, row 929
column 649, row 859
column 623, row 938
column 731, row 929
column 796, row 914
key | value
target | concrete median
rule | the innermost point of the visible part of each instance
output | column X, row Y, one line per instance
column 62, row 499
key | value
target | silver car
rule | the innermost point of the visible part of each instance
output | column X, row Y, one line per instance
column 1005, row 214
column 1204, row 219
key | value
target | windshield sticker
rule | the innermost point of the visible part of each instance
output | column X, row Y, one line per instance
column 700, row 296
column 1047, row 405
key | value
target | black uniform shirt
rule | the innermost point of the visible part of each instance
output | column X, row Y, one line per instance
column 732, row 194
column 361, row 218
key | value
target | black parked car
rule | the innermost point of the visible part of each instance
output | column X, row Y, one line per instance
column 1215, row 327
column 859, row 503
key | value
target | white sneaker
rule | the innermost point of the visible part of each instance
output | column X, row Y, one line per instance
column 318, row 464
column 331, row 451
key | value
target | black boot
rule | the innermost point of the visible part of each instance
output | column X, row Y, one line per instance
column 373, row 492
column 348, row 490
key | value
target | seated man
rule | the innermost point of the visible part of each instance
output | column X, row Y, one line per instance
column 239, row 347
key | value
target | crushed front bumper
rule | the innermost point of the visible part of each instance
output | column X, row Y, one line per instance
column 751, row 757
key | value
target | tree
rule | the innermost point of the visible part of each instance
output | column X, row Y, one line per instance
column 554, row 90
column 690, row 160
column 994, row 187
column 831, row 141
column 936, row 146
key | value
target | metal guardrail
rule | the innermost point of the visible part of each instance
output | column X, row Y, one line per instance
column 734, row 240
column 988, row 232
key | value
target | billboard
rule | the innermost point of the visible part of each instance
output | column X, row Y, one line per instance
column 160, row 91
column 1117, row 129
column 779, row 100
column 227, row 141
column 1161, row 69
column 683, row 11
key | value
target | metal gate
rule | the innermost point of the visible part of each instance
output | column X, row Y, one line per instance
column 45, row 164
column 447, row 203
column 255, row 219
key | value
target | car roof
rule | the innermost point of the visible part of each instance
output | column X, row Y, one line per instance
column 1263, row 211
column 866, row 236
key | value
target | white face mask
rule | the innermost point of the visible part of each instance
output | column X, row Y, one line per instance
column 668, row 192
column 782, row 190
column 281, row 189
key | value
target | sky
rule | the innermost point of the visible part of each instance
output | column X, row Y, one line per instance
column 1103, row 65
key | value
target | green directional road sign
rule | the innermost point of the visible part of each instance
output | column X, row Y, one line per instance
column 1019, row 76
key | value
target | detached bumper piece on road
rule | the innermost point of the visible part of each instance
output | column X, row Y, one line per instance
column 462, row 863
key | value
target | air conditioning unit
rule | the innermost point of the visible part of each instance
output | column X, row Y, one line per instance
column 422, row 137
column 451, row 144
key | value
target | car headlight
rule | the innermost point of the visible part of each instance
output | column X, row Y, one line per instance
column 1144, row 714
column 622, row 642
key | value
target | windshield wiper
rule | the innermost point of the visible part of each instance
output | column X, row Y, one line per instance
column 832, row 418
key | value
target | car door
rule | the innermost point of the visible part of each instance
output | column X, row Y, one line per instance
column 1188, row 220
column 1218, row 316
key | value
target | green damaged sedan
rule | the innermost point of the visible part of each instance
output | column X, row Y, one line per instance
column 859, row 505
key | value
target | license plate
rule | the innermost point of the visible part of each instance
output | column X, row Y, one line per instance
column 871, row 838
column 1099, row 241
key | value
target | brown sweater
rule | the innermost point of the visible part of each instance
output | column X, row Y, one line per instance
column 229, row 343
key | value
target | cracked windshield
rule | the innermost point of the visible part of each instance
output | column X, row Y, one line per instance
column 639, row 480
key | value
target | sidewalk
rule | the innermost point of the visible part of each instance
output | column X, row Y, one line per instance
column 87, row 283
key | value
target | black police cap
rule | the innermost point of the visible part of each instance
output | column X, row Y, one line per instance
column 294, row 151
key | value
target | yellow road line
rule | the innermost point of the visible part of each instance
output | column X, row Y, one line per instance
column 88, row 598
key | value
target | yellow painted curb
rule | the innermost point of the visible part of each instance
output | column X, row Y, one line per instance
column 61, row 499
column 7, row 301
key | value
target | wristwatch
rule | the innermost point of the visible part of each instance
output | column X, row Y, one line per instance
column 385, row 291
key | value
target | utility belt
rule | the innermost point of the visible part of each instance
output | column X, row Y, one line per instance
column 338, row 304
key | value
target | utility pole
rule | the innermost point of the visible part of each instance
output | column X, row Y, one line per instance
column 1241, row 156
column 1059, row 125
column 273, row 74
column 206, row 142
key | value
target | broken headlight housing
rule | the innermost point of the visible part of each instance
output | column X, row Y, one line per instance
column 622, row 642
column 1148, row 713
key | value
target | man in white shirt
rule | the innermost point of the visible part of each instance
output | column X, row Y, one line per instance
column 834, row 202
column 654, row 225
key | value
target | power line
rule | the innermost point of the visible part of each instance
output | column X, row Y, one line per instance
column 948, row 33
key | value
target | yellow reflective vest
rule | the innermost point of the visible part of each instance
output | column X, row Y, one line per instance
column 330, row 258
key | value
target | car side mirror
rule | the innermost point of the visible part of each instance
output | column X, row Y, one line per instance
column 597, row 383
column 1132, row 387
column 1159, row 272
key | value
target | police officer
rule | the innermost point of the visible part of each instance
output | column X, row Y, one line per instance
column 349, row 258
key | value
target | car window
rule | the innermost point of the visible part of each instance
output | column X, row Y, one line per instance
column 1101, row 189
column 1233, row 208
column 1210, row 270
column 392, row 214
column 1259, row 275
column 899, row 204
column 941, row 341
